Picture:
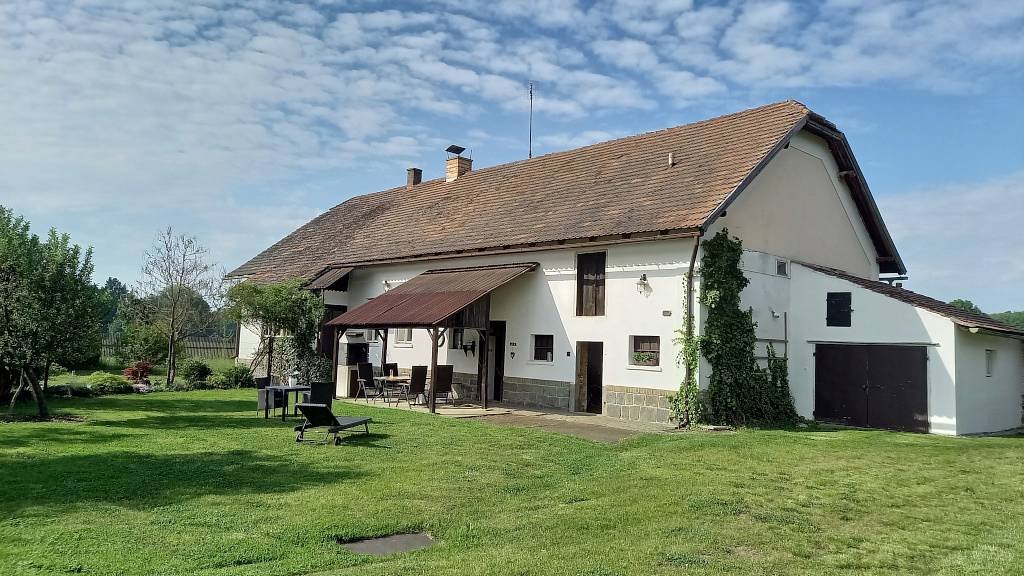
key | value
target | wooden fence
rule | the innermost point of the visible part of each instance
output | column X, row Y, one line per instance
column 195, row 347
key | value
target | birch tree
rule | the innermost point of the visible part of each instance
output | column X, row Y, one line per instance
column 182, row 289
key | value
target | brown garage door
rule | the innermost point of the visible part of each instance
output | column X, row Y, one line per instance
column 875, row 386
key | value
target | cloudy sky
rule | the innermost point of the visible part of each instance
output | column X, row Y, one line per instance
column 238, row 121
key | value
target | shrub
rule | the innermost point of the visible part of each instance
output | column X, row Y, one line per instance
column 142, row 342
column 57, row 370
column 107, row 383
column 194, row 370
column 138, row 372
column 218, row 381
column 238, row 376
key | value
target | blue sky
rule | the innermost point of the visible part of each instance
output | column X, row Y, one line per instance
column 237, row 122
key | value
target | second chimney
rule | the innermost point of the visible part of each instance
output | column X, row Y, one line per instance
column 413, row 177
column 456, row 165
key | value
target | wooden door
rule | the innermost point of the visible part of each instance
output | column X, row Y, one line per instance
column 589, row 377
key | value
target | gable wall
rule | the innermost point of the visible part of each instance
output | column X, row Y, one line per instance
column 798, row 208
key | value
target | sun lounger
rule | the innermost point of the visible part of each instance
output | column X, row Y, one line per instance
column 320, row 416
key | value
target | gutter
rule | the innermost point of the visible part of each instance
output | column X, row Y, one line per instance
column 688, row 332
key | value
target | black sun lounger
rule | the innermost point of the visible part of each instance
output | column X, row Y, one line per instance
column 320, row 416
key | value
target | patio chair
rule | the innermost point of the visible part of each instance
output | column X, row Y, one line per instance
column 267, row 400
column 319, row 393
column 320, row 416
column 366, row 380
column 391, row 369
column 417, row 385
column 444, row 382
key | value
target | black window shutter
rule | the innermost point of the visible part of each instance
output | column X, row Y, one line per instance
column 839, row 308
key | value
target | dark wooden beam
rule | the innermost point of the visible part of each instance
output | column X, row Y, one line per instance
column 432, row 396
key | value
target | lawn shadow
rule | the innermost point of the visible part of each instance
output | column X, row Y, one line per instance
column 145, row 480
column 62, row 435
column 178, row 404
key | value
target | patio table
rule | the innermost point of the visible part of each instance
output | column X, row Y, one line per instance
column 285, row 390
column 392, row 382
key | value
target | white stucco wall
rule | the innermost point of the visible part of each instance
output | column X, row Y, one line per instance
column 798, row 207
column 248, row 342
column 544, row 302
column 988, row 403
column 877, row 319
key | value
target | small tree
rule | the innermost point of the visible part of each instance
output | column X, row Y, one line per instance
column 966, row 306
column 180, row 286
column 280, row 307
column 49, row 310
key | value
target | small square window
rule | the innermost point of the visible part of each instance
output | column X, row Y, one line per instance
column 645, row 350
column 990, row 362
column 455, row 338
column 839, row 309
column 543, row 348
column 403, row 336
column 782, row 268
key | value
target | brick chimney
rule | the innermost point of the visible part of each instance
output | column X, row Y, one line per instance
column 413, row 177
column 456, row 165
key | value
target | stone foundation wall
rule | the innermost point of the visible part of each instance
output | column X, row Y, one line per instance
column 536, row 393
column 465, row 386
column 638, row 404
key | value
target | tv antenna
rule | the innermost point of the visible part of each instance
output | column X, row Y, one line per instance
column 530, row 153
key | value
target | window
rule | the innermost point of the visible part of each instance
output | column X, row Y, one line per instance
column 455, row 338
column 590, row 284
column 543, row 348
column 403, row 336
column 782, row 268
column 990, row 362
column 838, row 309
column 644, row 350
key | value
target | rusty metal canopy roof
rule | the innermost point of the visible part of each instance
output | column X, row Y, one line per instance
column 327, row 278
column 432, row 297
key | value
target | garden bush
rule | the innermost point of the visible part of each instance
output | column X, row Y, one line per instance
column 107, row 383
column 138, row 372
column 194, row 370
column 238, row 376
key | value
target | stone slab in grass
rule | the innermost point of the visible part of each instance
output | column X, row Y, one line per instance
column 394, row 544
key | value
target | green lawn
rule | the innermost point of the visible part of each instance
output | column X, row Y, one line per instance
column 189, row 483
column 114, row 367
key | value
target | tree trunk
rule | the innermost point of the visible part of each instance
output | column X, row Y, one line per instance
column 17, row 393
column 37, row 392
column 46, row 374
column 170, row 358
column 270, row 359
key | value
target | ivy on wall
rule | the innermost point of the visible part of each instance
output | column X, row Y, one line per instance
column 740, row 391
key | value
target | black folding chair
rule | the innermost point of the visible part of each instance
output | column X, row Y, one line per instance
column 320, row 416
column 366, row 381
column 267, row 400
column 391, row 369
column 417, row 385
column 443, row 386
column 319, row 393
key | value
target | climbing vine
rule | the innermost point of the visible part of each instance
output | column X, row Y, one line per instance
column 740, row 391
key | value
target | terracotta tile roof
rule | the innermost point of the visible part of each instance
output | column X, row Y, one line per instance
column 616, row 187
column 432, row 297
column 328, row 277
column 961, row 317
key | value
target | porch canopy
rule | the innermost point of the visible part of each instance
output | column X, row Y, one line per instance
column 437, row 300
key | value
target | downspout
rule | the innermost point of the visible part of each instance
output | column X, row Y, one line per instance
column 689, row 297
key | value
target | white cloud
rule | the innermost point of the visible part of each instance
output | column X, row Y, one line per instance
column 108, row 105
column 962, row 240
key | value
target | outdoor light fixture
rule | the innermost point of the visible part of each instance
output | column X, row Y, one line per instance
column 642, row 284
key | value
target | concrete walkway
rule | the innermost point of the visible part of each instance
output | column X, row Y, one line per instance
column 583, row 425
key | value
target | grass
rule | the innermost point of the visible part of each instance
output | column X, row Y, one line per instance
column 194, row 483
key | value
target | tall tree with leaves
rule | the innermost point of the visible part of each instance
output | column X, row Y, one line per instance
column 181, row 287
column 966, row 306
column 280, row 307
column 48, row 305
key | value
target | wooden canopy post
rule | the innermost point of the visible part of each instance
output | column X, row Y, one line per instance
column 482, row 363
column 432, row 396
column 383, row 349
column 334, row 358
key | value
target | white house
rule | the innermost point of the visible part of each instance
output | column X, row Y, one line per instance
column 561, row 281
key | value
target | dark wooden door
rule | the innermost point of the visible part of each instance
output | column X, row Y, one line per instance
column 496, row 350
column 876, row 386
column 898, row 388
column 589, row 377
